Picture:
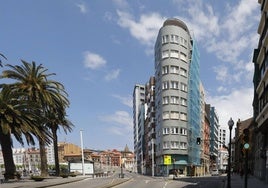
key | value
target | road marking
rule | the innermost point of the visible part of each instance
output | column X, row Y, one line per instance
column 165, row 184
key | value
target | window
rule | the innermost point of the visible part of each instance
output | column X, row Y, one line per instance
column 165, row 145
column 174, row 130
column 183, row 145
column 183, row 87
column 174, row 100
column 183, row 131
column 165, row 85
column 174, row 115
column 165, row 54
column 165, row 39
column 183, row 57
column 174, row 69
column 174, row 39
column 165, row 115
column 174, row 145
column 174, row 54
column 183, row 116
column 165, row 131
column 165, row 100
column 183, row 72
column 174, row 85
column 165, row 70
column 183, row 102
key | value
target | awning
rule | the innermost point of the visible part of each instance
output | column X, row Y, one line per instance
column 181, row 162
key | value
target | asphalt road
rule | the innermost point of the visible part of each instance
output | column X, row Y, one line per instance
column 133, row 180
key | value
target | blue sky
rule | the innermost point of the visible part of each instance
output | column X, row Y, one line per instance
column 100, row 49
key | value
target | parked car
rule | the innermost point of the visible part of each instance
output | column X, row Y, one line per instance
column 215, row 172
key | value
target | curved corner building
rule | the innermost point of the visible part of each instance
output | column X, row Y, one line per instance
column 177, row 99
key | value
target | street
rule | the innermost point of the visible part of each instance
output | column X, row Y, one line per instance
column 136, row 180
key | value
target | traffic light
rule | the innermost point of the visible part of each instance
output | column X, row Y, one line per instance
column 198, row 140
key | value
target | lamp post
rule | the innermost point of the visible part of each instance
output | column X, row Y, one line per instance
column 82, row 148
column 230, row 124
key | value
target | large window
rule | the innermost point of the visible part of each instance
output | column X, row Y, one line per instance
column 165, row 115
column 165, row 100
column 174, row 85
column 183, row 102
column 183, row 116
column 165, row 85
column 183, row 72
column 165, row 145
column 184, row 87
column 174, row 69
column 174, row 145
column 183, row 131
column 174, row 130
column 165, row 54
column 165, row 70
column 174, row 100
column 165, row 39
column 165, row 131
column 174, row 115
column 183, row 145
column 174, row 54
column 174, row 39
column 183, row 57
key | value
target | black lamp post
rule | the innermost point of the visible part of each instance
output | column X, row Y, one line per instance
column 230, row 124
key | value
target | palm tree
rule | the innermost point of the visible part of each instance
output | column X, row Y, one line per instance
column 17, row 117
column 57, row 119
column 48, row 94
column 2, row 55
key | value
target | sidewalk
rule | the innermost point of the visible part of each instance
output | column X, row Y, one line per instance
column 27, row 183
column 53, row 181
column 238, row 182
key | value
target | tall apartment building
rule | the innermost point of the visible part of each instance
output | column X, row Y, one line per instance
column 260, row 102
column 138, row 110
column 149, row 128
column 222, row 137
column 214, row 134
column 177, row 98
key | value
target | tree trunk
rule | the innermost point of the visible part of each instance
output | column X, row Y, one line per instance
column 43, row 155
column 6, row 144
column 55, row 145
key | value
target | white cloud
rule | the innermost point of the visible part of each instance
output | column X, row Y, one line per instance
column 113, row 74
column 145, row 30
column 238, row 105
column 128, row 101
column 93, row 60
column 120, row 122
column 82, row 7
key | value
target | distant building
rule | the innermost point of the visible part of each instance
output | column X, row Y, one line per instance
column 138, row 125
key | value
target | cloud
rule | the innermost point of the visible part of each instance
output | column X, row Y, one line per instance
column 121, row 4
column 120, row 122
column 237, row 104
column 82, row 7
column 93, row 60
column 229, row 34
column 145, row 29
column 113, row 74
column 128, row 101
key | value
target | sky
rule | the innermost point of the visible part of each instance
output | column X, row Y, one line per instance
column 100, row 49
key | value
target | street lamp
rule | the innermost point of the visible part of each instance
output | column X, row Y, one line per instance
column 82, row 148
column 230, row 124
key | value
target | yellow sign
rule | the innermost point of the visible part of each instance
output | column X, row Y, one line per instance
column 167, row 160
